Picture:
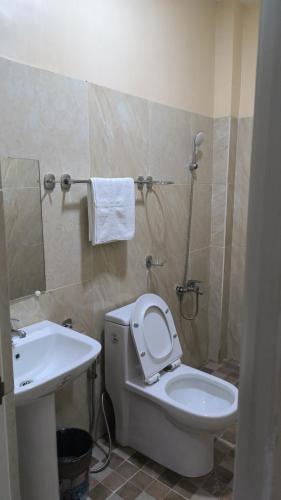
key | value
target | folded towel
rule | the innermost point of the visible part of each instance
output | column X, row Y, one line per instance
column 111, row 209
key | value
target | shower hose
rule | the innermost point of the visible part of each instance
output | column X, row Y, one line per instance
column 91, row 392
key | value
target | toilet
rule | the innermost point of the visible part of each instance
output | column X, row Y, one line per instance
column 164, row 409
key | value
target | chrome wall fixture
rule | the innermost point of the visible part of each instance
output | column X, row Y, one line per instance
column 66, row 182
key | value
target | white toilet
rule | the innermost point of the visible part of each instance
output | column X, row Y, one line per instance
column 168, row 411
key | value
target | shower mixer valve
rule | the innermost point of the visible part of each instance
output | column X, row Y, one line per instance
column 191, row 286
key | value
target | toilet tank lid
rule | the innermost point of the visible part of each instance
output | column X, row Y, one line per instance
column 121, row 316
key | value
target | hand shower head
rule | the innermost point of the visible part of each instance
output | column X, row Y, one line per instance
column 197, row 141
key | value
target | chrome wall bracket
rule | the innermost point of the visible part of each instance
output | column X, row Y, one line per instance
column 49, row 182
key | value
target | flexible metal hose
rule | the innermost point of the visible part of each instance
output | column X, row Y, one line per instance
column 185, row 274
column 91, row 392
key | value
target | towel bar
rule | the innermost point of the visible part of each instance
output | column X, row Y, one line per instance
column 66, row 181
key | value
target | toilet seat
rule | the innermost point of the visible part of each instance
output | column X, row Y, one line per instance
column 154, row 335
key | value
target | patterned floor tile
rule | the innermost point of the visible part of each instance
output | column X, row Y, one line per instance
column 127, row 470
column 129, row 491
column 218, row 481
column 100, row 492
column 141, row 480
column 185, row 488
column 138, row 459
column 153, row 469
column 170, row 478
column 157, row 490
column 172, row 495
column 113, row 481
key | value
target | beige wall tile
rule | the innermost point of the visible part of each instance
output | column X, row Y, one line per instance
column 170, row 143
column 201, row 216
column 221, row 149
column 216, row 300
column 219, row 208
column 45, row 117
column 236, row 302
column 119, row 126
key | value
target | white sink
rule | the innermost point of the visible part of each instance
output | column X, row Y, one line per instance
column 49, row 356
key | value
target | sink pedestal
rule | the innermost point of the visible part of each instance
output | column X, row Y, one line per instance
column 36, row 427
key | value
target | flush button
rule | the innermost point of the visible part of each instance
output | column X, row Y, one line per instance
column 167, row 310
column 142, row 354
column 136, row 325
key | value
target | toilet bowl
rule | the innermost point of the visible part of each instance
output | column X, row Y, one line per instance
column 164, row 409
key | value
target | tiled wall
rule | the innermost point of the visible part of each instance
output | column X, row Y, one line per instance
column 75, row 127
column 231, row 173
column 241, row 194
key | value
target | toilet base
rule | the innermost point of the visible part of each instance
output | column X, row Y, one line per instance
column 150, row 431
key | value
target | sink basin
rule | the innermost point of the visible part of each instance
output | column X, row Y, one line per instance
column 49, row 356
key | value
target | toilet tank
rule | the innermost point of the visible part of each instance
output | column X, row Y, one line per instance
column 121, row 362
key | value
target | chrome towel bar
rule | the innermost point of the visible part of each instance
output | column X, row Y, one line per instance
column 66, row 182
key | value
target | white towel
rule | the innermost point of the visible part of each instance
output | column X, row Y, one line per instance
column 111, row 209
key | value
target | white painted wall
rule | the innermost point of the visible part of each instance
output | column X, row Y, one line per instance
column 162, row 50
column 250, row 35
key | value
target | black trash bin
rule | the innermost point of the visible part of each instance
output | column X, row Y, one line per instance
column 74, row 458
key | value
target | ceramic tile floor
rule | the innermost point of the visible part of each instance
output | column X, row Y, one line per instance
column 132, row 476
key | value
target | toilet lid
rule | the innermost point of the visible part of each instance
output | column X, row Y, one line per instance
column 154, row 334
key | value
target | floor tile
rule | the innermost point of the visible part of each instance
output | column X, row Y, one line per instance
column 138, row 459
column 218, row 455
column 202, row 494
column 115, row 460
column 227, row 496
column 169, row 478
column 220, row 374
column 218, row 481
column 230, row 434
column 100, row 476
column 125, row 452
column 127, row 470
column 185, row 487
column 212, row 365
column 113, row 481
column 128, row 491
column 228, row 463
column 205, row 369
column 100, row 492
column 172, row 495
column 141, row 480
column 153, row 469
column 224, row 446
column 157, row 490
column 144, row 496
column 98, row 453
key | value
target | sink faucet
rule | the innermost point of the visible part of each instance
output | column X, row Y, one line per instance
column 17, row 332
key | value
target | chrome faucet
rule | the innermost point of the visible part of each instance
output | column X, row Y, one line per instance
column 17, row 332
